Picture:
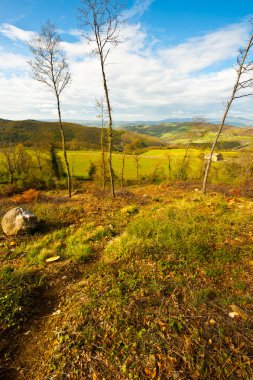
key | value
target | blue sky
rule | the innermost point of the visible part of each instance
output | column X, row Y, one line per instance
column 173, row 20
column 177, row 59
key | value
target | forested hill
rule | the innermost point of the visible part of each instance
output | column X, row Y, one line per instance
column 42, row 134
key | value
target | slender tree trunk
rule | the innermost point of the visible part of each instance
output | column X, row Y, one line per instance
column 239, row 73
column 209, row 162
column 123, row 169
column 39, row 162
column 109, row 129
column 184, row 158
column 102, row 151
column 64, row 148
column 11, row 178
column 169, row 168
column 137, row 168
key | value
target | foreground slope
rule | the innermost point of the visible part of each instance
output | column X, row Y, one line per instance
column 143, row 288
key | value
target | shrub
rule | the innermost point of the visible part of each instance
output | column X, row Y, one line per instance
column 28, row 196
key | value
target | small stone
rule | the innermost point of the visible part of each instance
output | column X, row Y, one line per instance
column 57, row 312
column 234, row 315
column 238, row 312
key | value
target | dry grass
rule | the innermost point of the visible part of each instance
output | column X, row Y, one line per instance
column 154, row 302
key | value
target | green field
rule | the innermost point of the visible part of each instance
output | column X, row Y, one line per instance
column 149, row 161
column 162, row 163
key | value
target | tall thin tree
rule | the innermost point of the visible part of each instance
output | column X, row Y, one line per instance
column 101, row 20
column 102, row 114
column 242, row 88
column 196, row 130
column 49, row 66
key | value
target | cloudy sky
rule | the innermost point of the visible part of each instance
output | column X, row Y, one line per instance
column 177, row 60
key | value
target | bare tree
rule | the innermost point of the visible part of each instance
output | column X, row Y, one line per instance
column 49, row 66
column 38, row 151
column 102, row 114
column 125, row 144
column 101, row 20
column 242, row 88
column 15, row 161
column 10, row 162
column 198, row 122
column 169, row 167
column 137, row 158
column 123, row 167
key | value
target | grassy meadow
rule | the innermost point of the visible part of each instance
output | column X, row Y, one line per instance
column 143, row 287
column 154, row 164
column 154, row 284
column 148, row 163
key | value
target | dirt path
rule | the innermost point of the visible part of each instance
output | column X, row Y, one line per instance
column 25, row 354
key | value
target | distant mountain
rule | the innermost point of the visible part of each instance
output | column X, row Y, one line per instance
column 236, row 121
column 43, row 133
column 231, row 120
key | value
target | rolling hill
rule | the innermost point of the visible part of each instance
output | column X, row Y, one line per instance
column 32, row 133
column 200, row 134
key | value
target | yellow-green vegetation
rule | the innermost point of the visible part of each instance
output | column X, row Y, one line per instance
column 19, row 289
column 35, row 169
column 157, row 273
column 65, row 242
column 160, row 163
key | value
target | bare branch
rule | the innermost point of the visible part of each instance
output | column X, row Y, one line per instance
column 244, row 81
column 101, row 21
column 49, row 66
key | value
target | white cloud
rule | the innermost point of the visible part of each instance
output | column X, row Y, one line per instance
column 202, row 52
column 11, row 61
column 139, row 7
column 188, row 79
column 15, row 34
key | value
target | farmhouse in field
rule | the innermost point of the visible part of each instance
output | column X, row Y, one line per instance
column 216, row 157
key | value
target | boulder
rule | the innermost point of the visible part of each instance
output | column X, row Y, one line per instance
column 18, row 221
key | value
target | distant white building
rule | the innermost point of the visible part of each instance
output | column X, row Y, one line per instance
column 215, row 157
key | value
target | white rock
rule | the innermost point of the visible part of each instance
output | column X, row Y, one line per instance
column 18, row 221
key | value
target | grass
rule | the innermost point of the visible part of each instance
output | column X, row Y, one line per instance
column 153, row 163
column 155, row 293
column 75, row 243
column 19, row 291
column 157, row 165
column 154, row 302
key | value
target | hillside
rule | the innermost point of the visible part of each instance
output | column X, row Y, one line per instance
column 157, row 282
column 38, row 133
column 201, row 134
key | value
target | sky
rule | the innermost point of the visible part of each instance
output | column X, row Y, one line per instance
column 176, row 60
